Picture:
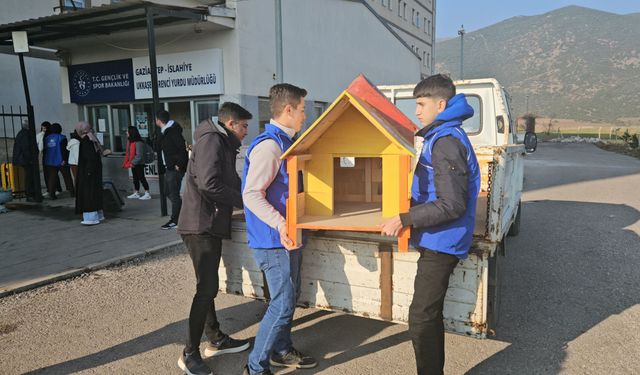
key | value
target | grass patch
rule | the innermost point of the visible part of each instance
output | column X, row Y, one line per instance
column 620, row 148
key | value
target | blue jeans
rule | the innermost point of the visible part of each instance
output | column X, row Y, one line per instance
column 282, row 270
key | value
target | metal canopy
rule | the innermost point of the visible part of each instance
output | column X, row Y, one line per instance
column 103, row 20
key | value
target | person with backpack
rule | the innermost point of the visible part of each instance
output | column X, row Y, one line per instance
column 134, row 159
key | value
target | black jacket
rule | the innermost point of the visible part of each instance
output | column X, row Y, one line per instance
column 22, row 152
column 212, row 186
column 173, row 146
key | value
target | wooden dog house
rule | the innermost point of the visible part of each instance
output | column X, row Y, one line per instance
column 355, row 162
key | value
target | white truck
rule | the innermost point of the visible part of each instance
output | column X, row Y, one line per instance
column 363, row 274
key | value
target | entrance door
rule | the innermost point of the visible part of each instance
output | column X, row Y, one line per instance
column 99, row 119
column 121, row 117
column 181, row 113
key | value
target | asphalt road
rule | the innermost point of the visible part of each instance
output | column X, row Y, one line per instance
column 570, row 298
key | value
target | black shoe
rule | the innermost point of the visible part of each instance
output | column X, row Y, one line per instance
column 192, row 364
column 226, row 345
column 293, row 359
column 169, row 225
column 246, row 371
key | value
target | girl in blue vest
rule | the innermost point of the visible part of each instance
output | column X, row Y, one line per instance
column 445, row 187
column 264, row 192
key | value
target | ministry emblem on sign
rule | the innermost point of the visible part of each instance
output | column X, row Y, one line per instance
column 81, row 83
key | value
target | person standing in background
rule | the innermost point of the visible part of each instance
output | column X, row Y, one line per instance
column 74, row 147
column 44, row 132
column 89, row 189
column 23, row 156
column 172, row 147
column 56, row 155
column 134, row 160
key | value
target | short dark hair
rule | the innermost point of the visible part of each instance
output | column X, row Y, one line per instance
column 45, row 124
column 282, row 94
column 163, row 116
column 437, row 86
column 233, row 111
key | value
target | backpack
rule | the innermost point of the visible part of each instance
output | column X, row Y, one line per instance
column 149, row 154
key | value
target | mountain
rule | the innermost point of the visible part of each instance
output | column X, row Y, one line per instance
column 573, row 62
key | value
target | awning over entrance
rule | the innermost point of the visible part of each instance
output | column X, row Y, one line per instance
column 110, row 19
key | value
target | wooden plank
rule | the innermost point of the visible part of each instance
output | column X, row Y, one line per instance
column 404, row 204
column 292, row 200
column 367, row 179
column 386, row 281
column 358, row 216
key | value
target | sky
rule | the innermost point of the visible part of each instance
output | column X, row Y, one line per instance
column 476, row 14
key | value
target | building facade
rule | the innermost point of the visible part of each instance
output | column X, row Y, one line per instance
column 415, row 22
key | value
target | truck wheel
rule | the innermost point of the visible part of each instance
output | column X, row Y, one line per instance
column 493, row 289
column 514, row 230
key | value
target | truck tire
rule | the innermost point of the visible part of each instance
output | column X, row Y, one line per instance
column 493, row 289
column 514, row 229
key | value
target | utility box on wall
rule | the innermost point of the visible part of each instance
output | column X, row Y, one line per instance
column 352, row 168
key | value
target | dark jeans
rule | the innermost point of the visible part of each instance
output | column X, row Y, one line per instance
column 205, row 251
column 137, row 171
column 172, row 183
column 426, row 326
column 54, row 181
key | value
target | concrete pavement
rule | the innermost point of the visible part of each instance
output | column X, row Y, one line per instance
column 45, row 244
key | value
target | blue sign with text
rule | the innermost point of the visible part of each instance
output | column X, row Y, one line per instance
column 103, row 82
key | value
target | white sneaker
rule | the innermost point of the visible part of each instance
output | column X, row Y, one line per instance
column 145, row 197
column 90, row 222
column 134, row 196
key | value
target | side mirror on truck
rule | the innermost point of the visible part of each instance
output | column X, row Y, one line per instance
column 530, row 142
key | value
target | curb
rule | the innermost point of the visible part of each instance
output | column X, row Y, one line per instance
column 50, row 279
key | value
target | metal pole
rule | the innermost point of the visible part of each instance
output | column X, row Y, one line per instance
column 279, row 57
column 33, row 146
column 527, row 103
column 461, row 33
column 151, row 40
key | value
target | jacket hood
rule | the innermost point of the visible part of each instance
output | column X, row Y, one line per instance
column 208, row 127
column 457, row 110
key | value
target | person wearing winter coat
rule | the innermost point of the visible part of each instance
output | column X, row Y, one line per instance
column 89, row 189
column 134, row 160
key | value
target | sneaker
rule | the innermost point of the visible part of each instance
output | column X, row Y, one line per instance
column 224, row 346
column 90, row 222
column 192, row 364
column 135, row 195
column 293, row 359
column 145, row 197
column 246, row 371
column 169, row 225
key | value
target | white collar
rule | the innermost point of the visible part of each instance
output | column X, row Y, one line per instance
column 290, row 132
column 220, row 128
column 166, row 126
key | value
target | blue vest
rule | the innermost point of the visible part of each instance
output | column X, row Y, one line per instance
column 53, row 150
column 454, row 237
column 261, row 235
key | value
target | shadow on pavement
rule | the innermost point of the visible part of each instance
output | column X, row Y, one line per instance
column 573, row 266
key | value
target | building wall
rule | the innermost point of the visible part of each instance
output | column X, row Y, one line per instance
column 414, row 21
column 325, row 46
